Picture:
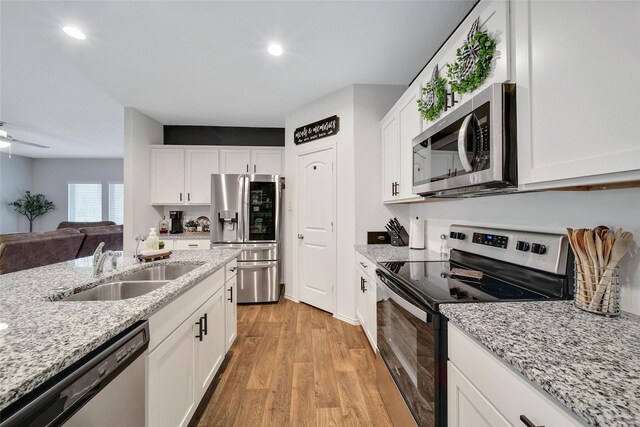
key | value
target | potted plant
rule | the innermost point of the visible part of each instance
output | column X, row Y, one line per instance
column 191, row 225
column 32, row 206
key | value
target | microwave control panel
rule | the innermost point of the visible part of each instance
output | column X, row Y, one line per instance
column 494, row 240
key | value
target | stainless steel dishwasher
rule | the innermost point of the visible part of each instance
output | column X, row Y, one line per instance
column 105, row 388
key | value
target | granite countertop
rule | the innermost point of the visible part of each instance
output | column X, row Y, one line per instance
column 589, row 363
column 39, row 337
column 189, row 236
column 388, row 253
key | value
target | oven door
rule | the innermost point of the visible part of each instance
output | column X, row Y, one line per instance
column 464, row 149
column 408, row 344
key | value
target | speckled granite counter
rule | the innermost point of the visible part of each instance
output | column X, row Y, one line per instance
column 388, row 253
column 589, row 363
column 42, row 337
column 186, row 236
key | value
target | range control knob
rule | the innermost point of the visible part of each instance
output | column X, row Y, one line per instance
column 538, row 248
column 522, row 246
column 456, row 235
column 461, row 236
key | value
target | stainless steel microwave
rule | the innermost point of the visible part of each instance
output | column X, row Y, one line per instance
column 472, row 151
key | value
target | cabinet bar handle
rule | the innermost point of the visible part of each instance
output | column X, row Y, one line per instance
column 254, row 168
column 527, row 422
column 230, row 299
column 363, row 264
column 364, row 285
column 206, row 324
column 232, row 269
column 188, row 197
column 200, row 331
column 180, row 196
column 247, row 167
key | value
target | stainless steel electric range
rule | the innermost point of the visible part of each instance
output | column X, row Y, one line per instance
column 485, row 265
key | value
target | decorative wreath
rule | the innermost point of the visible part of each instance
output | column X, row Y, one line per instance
column 434, row 94
column 473, row 60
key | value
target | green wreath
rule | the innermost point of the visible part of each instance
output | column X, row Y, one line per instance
column 430, row 114
column 462, row 79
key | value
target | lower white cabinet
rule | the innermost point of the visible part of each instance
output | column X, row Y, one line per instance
column 170, row 379
column 186, row 244
column 483, row 391
column 366, row 298
column 187, row 346
column 210, row 340
column 231, row 313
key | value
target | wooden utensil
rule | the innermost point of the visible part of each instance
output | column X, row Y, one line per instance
column 600, row 251
column 584, row 260
column 621, row 245
column 590, row 246
column 581, row 290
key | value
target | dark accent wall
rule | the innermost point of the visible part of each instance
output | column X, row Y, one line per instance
column 223, row 135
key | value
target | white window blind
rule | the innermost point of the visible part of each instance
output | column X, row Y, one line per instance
column 116, row 203
column 85, row 201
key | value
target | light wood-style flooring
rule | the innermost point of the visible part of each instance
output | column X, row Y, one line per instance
column 294, row 365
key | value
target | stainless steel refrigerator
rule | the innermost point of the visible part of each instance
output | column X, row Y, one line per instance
column 246, row 213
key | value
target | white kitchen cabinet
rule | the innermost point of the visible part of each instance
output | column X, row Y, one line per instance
column 182, row 176
column 210, row 345
column 167, row 176
column 577, row 92
column 200, row 164
column 235, row 161
column 170, row 381
column 191, row 244
column 480, row 386
column 390, row 158
column 186, row 349
column 466, row 406
column 231, row 312
column 410, row 126
column 366, row 297
column 260, row 161
column 268, row 162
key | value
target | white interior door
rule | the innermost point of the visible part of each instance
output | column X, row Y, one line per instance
column 316, row 224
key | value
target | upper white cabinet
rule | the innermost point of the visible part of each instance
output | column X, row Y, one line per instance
column 577, row 66
column 167, row 176
column 410, row 125
column 235, row 161
column 390, row 158
column 182, row 175
column 200, row 164
column 261, row 161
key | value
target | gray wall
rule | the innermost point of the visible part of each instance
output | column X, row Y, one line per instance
column 50, row 177
column 15, row 178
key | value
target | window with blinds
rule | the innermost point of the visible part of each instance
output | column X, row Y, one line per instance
column 116, row 203
column 85, row 201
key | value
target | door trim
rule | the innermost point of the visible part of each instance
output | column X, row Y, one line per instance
column 296, row 224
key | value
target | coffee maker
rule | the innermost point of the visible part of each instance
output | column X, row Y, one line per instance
column 176, row 222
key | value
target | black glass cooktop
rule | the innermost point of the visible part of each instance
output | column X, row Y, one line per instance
column 434, row 283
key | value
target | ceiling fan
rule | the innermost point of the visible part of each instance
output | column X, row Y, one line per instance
column 7, row 140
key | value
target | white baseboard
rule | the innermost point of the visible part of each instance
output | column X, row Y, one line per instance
column 291, row 298
column 346, row 319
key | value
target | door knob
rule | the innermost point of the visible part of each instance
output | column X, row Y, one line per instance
column 300, row 236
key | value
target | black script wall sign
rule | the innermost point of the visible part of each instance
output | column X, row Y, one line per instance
column 316, row 130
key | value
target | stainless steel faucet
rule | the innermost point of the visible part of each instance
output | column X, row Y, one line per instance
column 139, row 238
column 99, row 259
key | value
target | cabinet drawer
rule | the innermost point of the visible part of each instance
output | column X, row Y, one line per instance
column 230, row 270
column 165, row 321
column 508, row 391
column 191, row 244
column 368, row 266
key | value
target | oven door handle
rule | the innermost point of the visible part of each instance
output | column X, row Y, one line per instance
column 462, row 136
column 394, row 294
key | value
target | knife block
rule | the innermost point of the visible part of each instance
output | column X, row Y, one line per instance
column 401, row 239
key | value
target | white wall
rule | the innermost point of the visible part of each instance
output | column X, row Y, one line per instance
column 140, row 132
column 51, row 176
column 15, row 178
column 358, row 160
column 552, row 211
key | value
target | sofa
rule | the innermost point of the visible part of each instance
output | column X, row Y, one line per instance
column 20, row 251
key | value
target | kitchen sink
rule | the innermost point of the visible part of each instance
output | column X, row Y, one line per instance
column 160, row 272
column 117, row 290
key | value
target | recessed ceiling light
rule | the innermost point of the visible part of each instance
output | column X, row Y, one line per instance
column 275, row 49
column 74, row 32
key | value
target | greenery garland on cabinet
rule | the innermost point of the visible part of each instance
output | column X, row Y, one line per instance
column 434, row 95
column 473, row 60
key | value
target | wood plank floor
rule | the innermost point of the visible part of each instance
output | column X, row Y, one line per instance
column 294, row 365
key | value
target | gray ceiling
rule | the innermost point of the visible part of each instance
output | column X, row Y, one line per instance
column 197, row 62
